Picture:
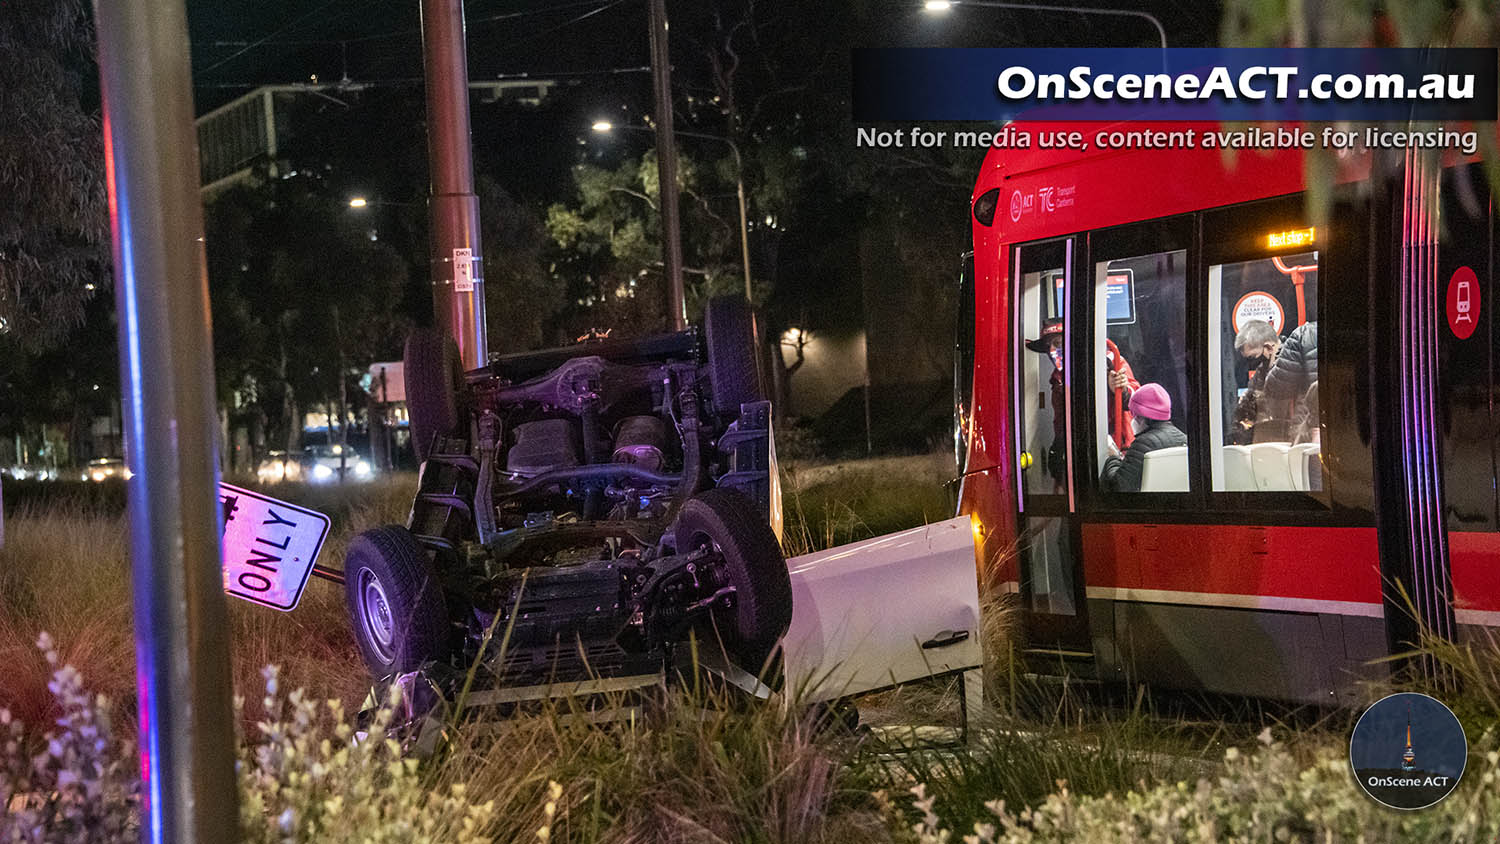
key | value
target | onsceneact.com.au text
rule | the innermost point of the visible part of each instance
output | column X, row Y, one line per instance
column 1252, row 83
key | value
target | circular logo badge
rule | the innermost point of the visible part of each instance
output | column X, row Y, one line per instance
column 1408, row 751
column 1463, row 303
column 1015, row 207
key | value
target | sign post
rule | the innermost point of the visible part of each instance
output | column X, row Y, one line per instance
column 457, row 259
column 167, row 377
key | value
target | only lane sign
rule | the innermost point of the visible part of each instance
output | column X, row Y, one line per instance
column 269, row 547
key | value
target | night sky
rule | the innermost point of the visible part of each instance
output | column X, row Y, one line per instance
column 239, row 44
column 1380, row 737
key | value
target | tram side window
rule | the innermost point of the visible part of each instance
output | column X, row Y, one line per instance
column 1263, row 359
column 1141, row 390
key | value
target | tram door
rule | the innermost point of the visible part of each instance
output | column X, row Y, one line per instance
column 1051, row 576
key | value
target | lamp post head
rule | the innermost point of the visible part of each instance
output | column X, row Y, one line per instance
column 603, row 126
column 358, row 202
column 937, row 5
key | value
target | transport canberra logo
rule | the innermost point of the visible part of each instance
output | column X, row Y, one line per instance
column 1408, row 751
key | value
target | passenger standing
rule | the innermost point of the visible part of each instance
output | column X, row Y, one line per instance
column 1152, row 409
column 1118, row 376
column 1257, row 344
column 1295, row 370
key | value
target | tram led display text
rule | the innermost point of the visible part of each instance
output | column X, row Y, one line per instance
column 1295, row 237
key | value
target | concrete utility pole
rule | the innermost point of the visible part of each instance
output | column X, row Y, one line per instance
column 166, row 370
column 666, row 164
column 457, row 260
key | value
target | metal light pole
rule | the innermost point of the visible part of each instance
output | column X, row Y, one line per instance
column 739, row 187
column 166, row 372
column 739, row 180
column 666, row 164
column 457, row 260
column 945, row 5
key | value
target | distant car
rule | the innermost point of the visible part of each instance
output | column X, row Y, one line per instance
column 277, row 467
column 33, row 473
column 322, row 464
column 105, row 468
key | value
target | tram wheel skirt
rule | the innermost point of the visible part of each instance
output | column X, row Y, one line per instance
column 1317, row 658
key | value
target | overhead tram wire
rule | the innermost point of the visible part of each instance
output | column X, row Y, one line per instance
column 598, row 7
column 283, row 28
column 417, row 80
column 398, row 33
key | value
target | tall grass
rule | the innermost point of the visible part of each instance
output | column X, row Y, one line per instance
column 833, row 504
column 65, row 569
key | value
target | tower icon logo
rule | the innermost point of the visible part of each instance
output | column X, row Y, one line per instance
column 1383, row 751
column 1409, row 758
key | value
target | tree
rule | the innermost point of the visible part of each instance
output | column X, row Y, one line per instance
column 53, row 225
column 610, row 243
column 522, row 298
column 304, row 297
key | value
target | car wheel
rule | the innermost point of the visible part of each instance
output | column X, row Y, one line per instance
column 728, row 522
column 434, row 388
column 395, row 601
column 733, row 376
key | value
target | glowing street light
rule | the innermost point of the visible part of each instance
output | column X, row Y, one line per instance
column 602, row 126
column 939, row 6
column 358, row 202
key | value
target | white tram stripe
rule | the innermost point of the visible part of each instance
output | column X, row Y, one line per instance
column 1484, row 618
column 1244, row 602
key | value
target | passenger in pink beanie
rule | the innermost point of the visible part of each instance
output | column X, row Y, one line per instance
column 1151, row 408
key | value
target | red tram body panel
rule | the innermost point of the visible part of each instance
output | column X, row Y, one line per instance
column 1249, row 560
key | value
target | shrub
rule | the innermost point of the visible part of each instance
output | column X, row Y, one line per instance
column 1265, row 795
column 306, row 777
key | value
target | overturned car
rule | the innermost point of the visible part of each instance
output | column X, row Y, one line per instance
column 584, row 509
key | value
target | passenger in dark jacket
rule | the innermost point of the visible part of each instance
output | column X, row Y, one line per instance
column 1296, row 367
column 1151, row 408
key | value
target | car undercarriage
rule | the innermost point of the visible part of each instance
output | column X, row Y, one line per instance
column 581, row 512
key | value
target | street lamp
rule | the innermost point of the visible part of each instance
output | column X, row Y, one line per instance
column 365, row 202
column 604, row 127
column 939, row 6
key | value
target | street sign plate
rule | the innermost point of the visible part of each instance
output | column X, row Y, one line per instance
column 463, row 271
column 269, row 547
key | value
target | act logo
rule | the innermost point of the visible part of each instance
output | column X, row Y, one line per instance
column 1408, row 751
column 1021, row 204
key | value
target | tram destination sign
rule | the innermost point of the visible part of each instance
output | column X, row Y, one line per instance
column 269, row 547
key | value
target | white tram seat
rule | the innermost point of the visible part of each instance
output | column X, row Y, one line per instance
column 1165, row 470
column 1238, row 476
column 1301, row 457
column 1272, row 468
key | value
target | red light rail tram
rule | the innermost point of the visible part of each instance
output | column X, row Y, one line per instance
column 1267, row 556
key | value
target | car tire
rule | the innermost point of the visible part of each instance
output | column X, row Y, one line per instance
column 435, row 388
column 734, row 378
column 728, row 521
column 395, row 599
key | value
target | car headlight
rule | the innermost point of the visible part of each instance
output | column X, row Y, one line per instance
column 322, row 473
column 362, row 469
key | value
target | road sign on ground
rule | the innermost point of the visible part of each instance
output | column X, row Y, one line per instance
column 269, row 547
